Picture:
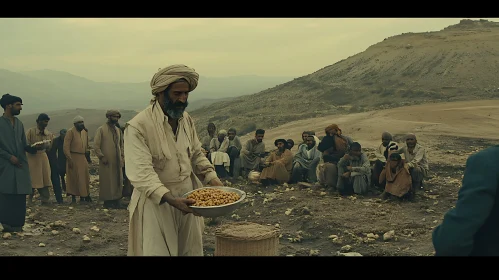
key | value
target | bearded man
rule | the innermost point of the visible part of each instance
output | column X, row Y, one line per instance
column 14, row 169
column 165, row 161
column 77, row 152
column 278, row 165
column 305, row 161
column 252, row 153
column 416, row 159
column 39, row 163
column 108, row 146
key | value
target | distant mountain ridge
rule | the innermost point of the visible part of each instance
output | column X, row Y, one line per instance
column 48, row 90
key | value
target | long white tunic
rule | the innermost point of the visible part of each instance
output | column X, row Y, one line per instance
column 157, row 162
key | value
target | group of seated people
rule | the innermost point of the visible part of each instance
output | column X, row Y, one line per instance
column 333, row 161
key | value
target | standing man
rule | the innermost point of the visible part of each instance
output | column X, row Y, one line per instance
column 14, row 170
column 164, row 161
column 77, row 154
column 471, row 228
column 57, row 158
column 108, row 146
column 39, row 163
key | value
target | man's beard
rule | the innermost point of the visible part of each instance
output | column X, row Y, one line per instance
column 310, row 147
column 281, row 150
column 175, row 110
column 15, row 112
column 259, row 140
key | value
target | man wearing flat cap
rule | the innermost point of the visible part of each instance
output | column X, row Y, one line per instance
column 164, row 161
column 39, row 163
column 108, row 146
column 278, row 165
column 14, row 170
column 76, row 150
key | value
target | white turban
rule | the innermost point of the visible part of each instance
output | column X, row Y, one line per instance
column 164, row 77
column 78, row 119
column 222, row 132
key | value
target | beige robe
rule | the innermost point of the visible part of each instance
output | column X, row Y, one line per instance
column 418, row 159
column 248, row 159
column 77, row 178
column 39, row 166
column 158, row 162
column 280, row 169
column 109, row 145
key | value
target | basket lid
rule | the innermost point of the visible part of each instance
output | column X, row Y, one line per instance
column 246, row 231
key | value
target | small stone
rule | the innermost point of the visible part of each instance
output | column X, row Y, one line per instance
column 337, row 241
column 76, row 230
column 58, row 223
column 50, row 253
column 350, row 254
column 346, row 248
column 7, row 235
column 41, row 245
column 323, row 193
column 288, row 212
column 285, row 185
column 305, row 211
column 389, row 235
column 372, row 235
column 55, row 232
column 333, row 236
column 95, row 228
column 313, row 252
column 70, row 208
column 5, row 244
column 292, row 198
column 86, row 238
column 277, row 225
column 105, row 210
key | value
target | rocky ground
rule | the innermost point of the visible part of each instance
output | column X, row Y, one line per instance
column 310, row 221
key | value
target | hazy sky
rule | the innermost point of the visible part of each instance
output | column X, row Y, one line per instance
column 132, row 49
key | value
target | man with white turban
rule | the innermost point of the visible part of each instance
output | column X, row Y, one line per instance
column 77, row 152
column 108, row 146
column 164, row 161
column 218, row 154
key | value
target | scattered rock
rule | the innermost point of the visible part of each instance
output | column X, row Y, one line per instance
column 59, row 223
column 277, row 225
column 55, row 232
column 86, row 238
column 333, row 236
column 76, row 230
column 50, row 253
column 346, row 248
column 292, row 198
column 323, row 193
column 288, row 212
column 105, row 210
column 313, row 253
column 41, row 245
column 285, row 185
column 6, row 235
column 372, row 236
column 350, row 254
column 337, row 241
column 305, row 211
column 389, row 235
column 5, row 244
column 70, row 208
column 95, row 228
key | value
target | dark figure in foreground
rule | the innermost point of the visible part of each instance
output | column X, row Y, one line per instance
column 472, row 228
column 14, row 170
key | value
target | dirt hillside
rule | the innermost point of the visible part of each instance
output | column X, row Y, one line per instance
column 459, row 62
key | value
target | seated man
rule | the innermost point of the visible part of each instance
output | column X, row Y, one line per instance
column 417, row 161
column 278, row 165
column 218, row 154
column 396, row 177
column 206, row 141
column 253, row 153
column 233, row 151
column 354, row 171
column 305, row 162
column 333, row 147
column 381, row 156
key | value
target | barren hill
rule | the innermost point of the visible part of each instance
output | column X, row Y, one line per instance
column 460, row 62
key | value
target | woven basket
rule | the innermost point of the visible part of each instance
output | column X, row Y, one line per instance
column 246, row 239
